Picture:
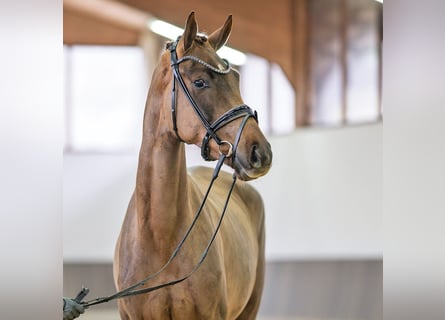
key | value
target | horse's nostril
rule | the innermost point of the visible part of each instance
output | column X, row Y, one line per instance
column 255, row 157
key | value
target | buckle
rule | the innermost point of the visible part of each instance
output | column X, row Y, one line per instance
column 229, row 151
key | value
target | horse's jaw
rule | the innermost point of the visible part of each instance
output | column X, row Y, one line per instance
column 247, row 174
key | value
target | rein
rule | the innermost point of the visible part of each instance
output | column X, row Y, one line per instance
column 131, row 290
column 229, row 116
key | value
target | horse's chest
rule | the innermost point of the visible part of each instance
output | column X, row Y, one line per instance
column 207, row 294
column 185, row 301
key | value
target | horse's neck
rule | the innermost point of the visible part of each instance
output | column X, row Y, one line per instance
column 161, row 181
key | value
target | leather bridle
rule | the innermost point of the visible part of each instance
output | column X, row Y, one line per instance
column 234, row 113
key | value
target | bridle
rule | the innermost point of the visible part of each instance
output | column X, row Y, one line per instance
column 211, row 128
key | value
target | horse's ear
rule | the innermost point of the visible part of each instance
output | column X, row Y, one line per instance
column 191, row 28
column 219, row 37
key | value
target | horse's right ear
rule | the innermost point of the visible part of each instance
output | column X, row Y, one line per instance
column 191, row 28
column 219, row 37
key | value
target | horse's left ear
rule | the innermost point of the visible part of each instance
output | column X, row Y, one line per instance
column 191, row 27
column 219, row 37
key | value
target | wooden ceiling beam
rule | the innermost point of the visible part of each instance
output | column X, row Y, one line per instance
column 264, row 28
column 110, row 11
column 79, row 28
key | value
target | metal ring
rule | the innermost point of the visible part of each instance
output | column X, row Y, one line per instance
column 229, row 153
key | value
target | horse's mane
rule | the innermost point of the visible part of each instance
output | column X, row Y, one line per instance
column 201, row 38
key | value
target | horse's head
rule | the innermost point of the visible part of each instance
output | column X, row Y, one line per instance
column 221, row 122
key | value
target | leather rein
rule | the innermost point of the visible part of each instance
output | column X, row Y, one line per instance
column 211, row 128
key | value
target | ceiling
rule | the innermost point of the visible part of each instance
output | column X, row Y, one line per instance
column 282, row 31
column 262, row 27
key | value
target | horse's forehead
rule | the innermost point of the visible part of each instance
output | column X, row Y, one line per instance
column 205, row 50
column 201, row 37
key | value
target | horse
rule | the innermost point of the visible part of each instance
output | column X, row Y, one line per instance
column 229, row 283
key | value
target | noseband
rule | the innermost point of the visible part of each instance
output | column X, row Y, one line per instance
column 211, row 128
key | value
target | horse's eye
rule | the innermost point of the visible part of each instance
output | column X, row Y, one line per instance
column 200, row 84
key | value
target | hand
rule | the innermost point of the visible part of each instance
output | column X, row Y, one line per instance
column 71, row 309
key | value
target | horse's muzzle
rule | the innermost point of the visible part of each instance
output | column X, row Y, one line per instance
column 255, row 163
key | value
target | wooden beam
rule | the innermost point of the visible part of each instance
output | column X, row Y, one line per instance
column 301, row 67
column 343, row 9
column 110, row 11
column 102, row 22
column 79, row 28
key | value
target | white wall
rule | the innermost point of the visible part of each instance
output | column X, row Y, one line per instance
column 322, row 196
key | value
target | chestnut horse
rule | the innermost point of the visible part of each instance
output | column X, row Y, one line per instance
column 229, row 283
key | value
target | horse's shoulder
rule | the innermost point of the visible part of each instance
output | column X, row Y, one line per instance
column 200, row 172
column 203, row 175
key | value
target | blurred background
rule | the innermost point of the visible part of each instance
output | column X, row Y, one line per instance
column 312, row 70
